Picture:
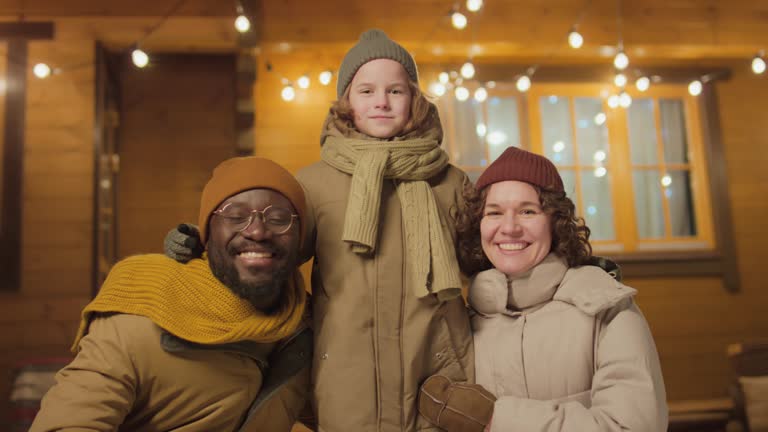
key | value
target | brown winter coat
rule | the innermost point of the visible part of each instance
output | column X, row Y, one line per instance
column 566, row 350
column 375, row 341
column 131, row 375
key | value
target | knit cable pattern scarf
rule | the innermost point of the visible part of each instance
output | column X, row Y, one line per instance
column 430, row 253
column 188, row 301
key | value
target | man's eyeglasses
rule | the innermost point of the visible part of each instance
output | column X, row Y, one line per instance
column 278, row 220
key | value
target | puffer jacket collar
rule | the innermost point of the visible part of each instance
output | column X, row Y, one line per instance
column 588, row 288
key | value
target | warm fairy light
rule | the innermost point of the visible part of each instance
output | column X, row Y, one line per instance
column 444, row 77
column 523, row 83
column 140, row 58
column 461, row 93
column 695, row 88
column 303, row 82
column 625, row 100
column 575, row 39
column 467, row 70
column 41, row 70
column 481, row 94
column 458, row 20
column 242, row 23
column 643, row 83
column 620, row 80
column 758, row 64
column 474, row 5
column 325, row 77
column 288, row 93
column 621, row 61
column 437, row 88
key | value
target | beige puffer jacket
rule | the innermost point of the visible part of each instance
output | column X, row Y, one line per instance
column 565, row 350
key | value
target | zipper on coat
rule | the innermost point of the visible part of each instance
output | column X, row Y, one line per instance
column 522, row 355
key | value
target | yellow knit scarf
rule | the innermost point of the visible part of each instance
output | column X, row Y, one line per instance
column 190, row 302
column 430, row 254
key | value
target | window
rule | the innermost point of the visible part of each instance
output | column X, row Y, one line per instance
column 638, row 175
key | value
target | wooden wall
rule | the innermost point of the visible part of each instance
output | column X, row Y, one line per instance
column 40, row 319
column 692, row 319
column 177, row 124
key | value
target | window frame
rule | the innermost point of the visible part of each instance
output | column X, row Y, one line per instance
column 709, row 188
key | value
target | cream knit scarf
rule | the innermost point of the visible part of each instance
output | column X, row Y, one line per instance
column 190, row 302
column 429, row 250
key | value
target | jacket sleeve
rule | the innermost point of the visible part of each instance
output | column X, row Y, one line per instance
column 279, row 413
column 627, row 388
column 97, row 390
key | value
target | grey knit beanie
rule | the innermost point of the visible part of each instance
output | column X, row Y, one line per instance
column 373, row 44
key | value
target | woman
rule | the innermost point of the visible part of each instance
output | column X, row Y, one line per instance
column 560, row 346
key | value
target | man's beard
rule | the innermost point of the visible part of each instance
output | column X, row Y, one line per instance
column 223, row 267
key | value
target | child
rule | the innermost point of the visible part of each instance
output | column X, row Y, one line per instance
column 386, row 298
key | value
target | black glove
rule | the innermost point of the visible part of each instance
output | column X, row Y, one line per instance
column 609, row 266
column 183, row 243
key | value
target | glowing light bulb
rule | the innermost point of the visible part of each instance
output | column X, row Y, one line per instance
column 558, row 146
column 620, row 80
column 444, row 77
column 481, row 129
column 41, row 70
column 758, row 65
column 621, row 61
column 288, row 93
column 303, row 82
column 468, row 70
column 458, row 20
column 575, row 39
column 461, row 93
column 600, row 119
column 695, row 88
column 497, row 138
column 139, row 58
column 325, row 77
column 242, row 23
column 625, row 100
column 600, row 172
column 643, row 83
column 599, row 156
column 437, row 89
column 474, row 5
column 481, row 94
column 613, row 101
column 523, row 83
column 666, row 180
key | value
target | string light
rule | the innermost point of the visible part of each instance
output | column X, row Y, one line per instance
column 474, row 5
column 695, row 87
column 288, row 93
column 613, row 101
column 758, row 63
column 643, row 83
column 437, row 88
column 41, row 70
column 325, row 77
column 600, row 119
column 523, row 83
column 481, row 94
column 621, row 61
column 468, row 70
column 625, row 100
column 139, row 58
column 620, row 80
column 461, row 93
column 242, row 24
column 458, row 20
column 575, row 39
column 444, row 77
column 303, row 82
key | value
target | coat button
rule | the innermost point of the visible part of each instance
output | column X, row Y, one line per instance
column 439, row 355
column 324, row 356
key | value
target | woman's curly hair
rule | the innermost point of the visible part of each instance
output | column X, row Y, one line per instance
column 570, row 236
column 420, row 119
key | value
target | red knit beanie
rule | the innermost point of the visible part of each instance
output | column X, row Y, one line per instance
column 521, row 165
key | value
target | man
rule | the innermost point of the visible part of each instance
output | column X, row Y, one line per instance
column 217, row 344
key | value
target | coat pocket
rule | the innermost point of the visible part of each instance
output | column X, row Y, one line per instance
column 446, row 361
